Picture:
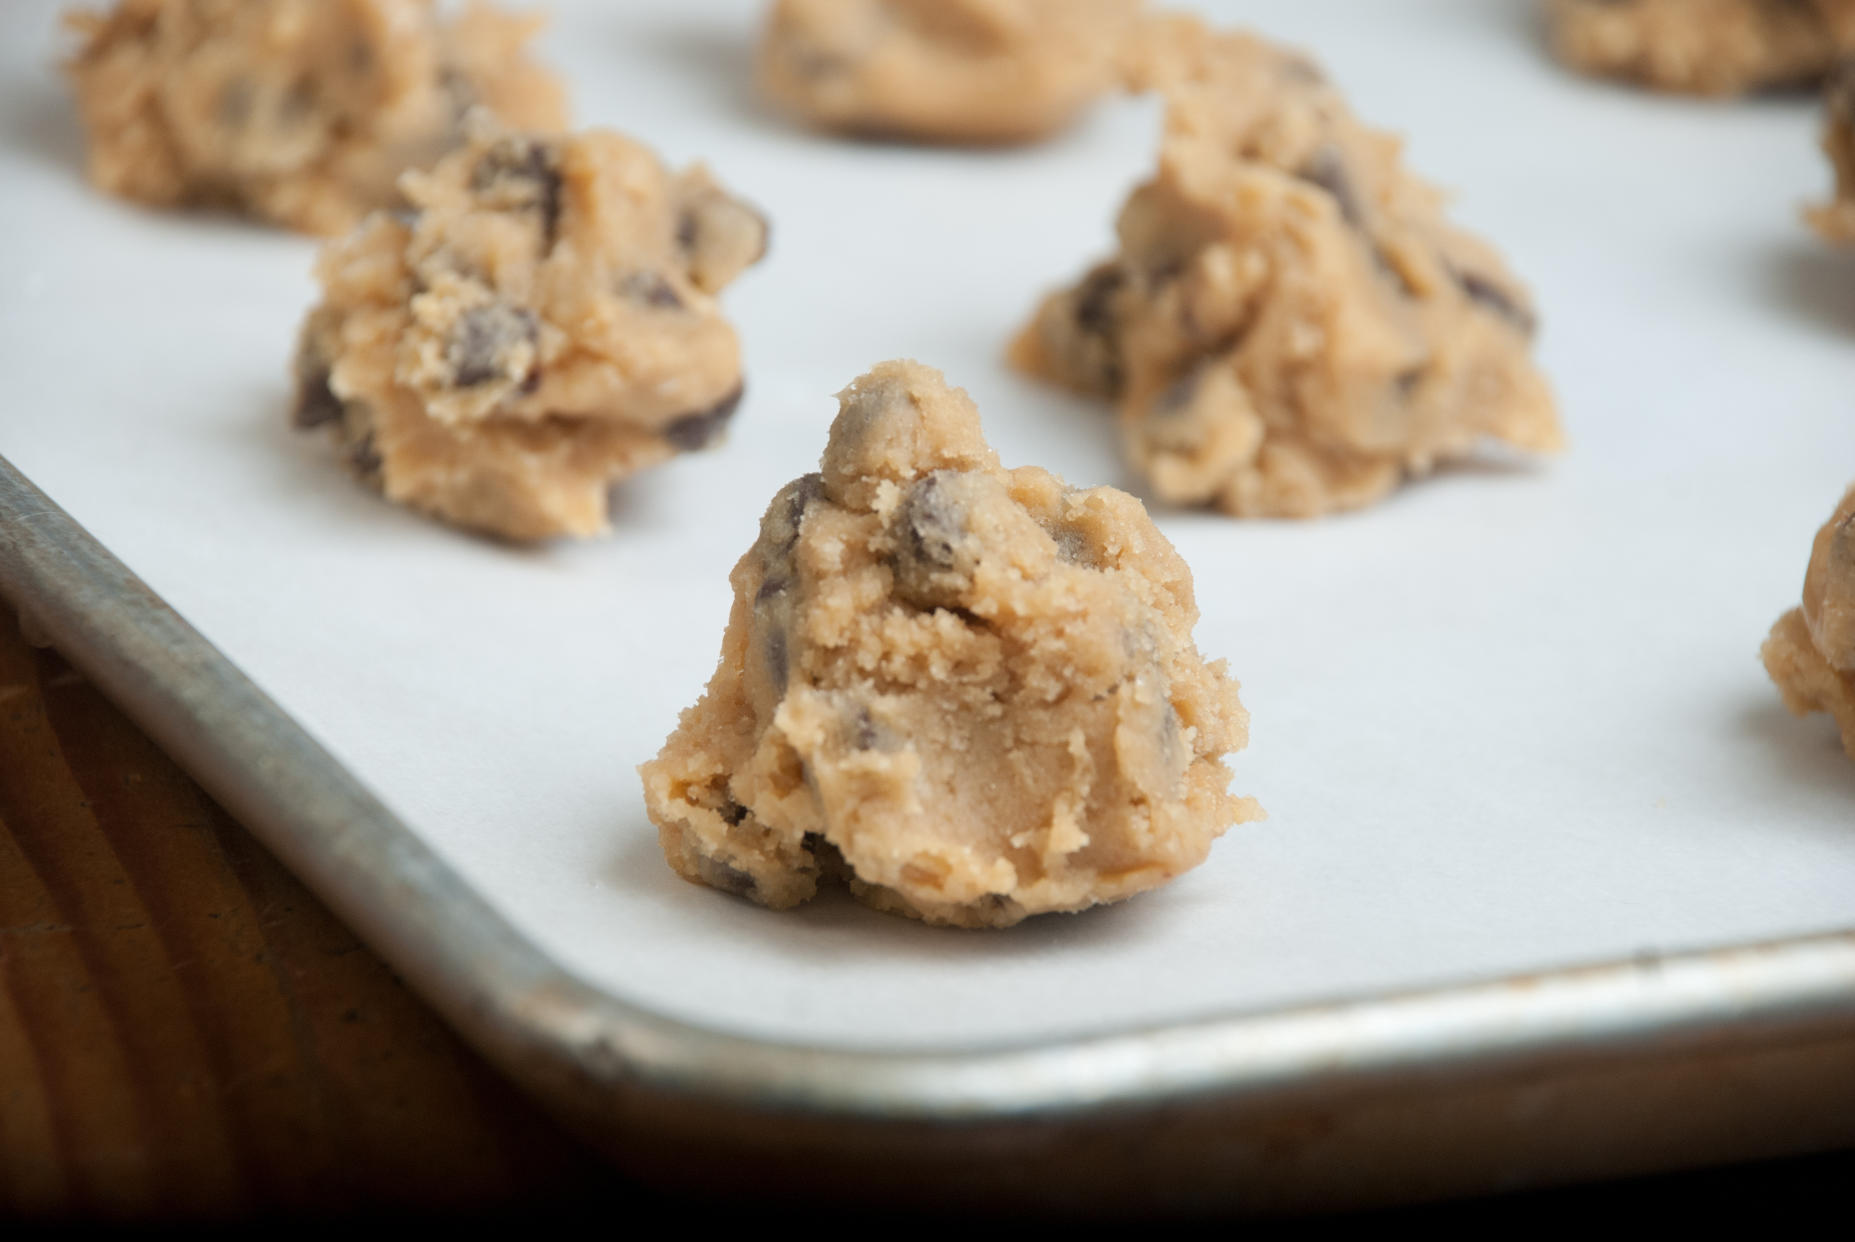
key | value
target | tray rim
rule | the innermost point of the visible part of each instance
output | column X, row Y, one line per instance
column 591, row 1053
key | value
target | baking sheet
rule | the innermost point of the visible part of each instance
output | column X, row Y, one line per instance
column 1512, row 719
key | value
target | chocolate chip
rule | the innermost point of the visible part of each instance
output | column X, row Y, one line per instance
column 1327, row 169
column 1095, row 301
column 316, row 402
column 1303, row 71
column 1099, row 326
column 1177, row 395
column 521, row 174
column 710, row 211
column 779, row 529
column 364, row 457
column 1485, row 292
column 778, row 658
column 699, row 430
column 1073, row 546
column 733, row 813
column 773, row 603
column 928, row 530
column 650, row 289
column 866, row 733
column 719, row 875
column 930, row 525
column 1171, row 735
column 484, row 340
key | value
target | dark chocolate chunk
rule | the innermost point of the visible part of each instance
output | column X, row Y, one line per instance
column 930, row 525
column 773, row 604
column 522, row 173
column 1327, row 169
column 779, row 529
column 699, row 430
column 1095, row 301
column 929, row 529
column 650, row 289
column 316, row 402
column 484, row 338
column 364, row 458
column 1499, row 299
column 868, row 733
column 778, row 658
column 692, row 221
column 1099, row 325
column 1177, row 395
column 718, row 874
column 1073, row 546
column 733, row 813
column 1300, row 70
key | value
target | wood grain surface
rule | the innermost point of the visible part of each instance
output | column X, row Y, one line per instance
column 184, row 1030
column 185, row 1033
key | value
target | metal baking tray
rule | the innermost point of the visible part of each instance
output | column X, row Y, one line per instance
column 1685, row 992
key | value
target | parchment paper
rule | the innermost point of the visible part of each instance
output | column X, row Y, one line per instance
column 1513, row 718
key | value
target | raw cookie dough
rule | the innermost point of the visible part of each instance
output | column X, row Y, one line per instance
column 1290, row 326
column 977, row 71
column 303, row 112
column 538, row 322
column 1704, row 47
column 1811, row 651
column 970, row 694
column 1835, row 220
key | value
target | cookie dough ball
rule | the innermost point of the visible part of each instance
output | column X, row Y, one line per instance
column 1811, row 651
column 538, row 322
column 968, row 693
column 1290, row 326
column 971, row 71
column 302, row 112
column 1704, row 47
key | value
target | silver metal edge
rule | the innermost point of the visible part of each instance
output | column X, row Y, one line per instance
column 565, row 1038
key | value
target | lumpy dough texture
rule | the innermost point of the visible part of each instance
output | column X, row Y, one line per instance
column 1811, row 651
column 978, row 71
column 1705, row 47
column 303, row 112
column 971, row 694
column 1835, row 220
column 1290, row 326
column 539, row 321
